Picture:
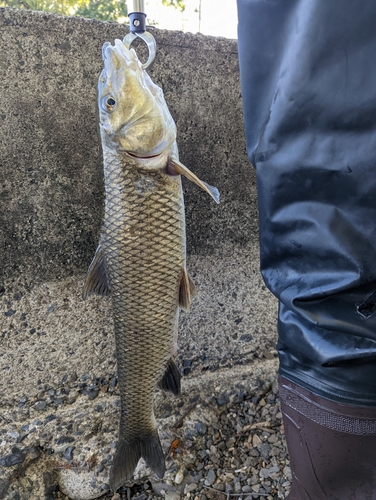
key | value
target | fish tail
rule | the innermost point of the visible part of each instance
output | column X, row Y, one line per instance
column 128, row 454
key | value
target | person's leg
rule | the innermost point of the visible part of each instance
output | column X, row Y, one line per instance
column 309, row 96
column 332, row 446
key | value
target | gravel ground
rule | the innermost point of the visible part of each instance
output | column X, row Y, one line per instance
column 230, row 445
column 244, row 455
column 244, row 458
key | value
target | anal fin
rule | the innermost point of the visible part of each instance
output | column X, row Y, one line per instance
column 171, row 379
column 187, row 291
column 96, row 278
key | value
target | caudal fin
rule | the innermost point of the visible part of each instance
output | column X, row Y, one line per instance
column 128, row 454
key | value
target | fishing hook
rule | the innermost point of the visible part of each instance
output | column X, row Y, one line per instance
column 137, row 20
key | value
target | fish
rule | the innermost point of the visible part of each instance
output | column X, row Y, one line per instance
column 140, row 261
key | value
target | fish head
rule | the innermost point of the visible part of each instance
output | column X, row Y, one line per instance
column 133, row 114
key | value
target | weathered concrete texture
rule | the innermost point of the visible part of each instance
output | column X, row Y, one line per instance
column 49, row 332
column 51, row 190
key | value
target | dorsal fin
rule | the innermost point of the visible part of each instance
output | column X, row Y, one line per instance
column 96, row 278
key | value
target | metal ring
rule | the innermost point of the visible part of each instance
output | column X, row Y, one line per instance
column 148, row 39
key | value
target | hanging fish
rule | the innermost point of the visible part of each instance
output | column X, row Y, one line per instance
column 141, row 257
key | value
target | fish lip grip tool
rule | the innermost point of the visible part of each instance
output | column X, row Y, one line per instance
column 137, row 20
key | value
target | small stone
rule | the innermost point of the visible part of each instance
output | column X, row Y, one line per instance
column 287, row 473
column 201, row 428
column 91, row 393
column 159, row 488
column 10, row 313
column 237, row 486
column 230, row 442
column 265, row 450
column 228, row 488
column 187, row 366
column 171, row 495
column 40, row 405
column 143, row 496
column 68, row 453
column 223, row 399
column 264, row 473
column 65, row 439
column 210, row 478
column 256, row 441
column 16, row 457
column 273, row 439
column 219, row 487
column 49, row 418
column 245, row 338
column 272, row 471
column 190, row 487
column 50, row 485
column 179, row 476
column 81, row 415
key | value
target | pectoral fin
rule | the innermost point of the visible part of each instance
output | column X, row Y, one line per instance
column 182, row 170
column 96, row 279
column 187, row 291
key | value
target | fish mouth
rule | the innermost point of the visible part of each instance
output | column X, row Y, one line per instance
column 150, row 161
column 143, row 157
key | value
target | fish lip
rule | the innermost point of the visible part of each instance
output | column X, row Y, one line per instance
column 137, row 157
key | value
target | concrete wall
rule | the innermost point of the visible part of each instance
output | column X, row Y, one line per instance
column 51, row 191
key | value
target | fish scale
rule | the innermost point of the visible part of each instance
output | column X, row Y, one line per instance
column 144, row 274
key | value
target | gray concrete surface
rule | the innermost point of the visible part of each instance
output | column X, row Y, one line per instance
column 51, row 184
column 56, row 351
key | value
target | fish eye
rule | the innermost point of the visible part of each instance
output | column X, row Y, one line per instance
column 110, row 103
